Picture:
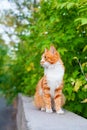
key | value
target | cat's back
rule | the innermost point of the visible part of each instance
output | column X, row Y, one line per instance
column 41, row 83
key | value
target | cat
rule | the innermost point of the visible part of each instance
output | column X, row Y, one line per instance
column 48, row 95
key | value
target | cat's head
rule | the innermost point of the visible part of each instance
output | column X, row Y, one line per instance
column 49, row 57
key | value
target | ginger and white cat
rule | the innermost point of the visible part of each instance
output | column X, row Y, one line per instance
column 49, row 94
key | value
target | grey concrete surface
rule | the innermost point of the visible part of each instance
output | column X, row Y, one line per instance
column 29, row 118
column 7, row 116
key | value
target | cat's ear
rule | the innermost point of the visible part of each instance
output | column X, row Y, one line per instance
column 52, row 49
column 46, row 50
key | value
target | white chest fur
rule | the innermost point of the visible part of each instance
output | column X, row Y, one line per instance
column 54, row 74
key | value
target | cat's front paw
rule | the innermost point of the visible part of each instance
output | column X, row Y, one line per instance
column 49, row 110
column 42, row 109
column 60, row 111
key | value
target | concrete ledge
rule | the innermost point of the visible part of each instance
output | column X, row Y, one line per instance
column 29, row 118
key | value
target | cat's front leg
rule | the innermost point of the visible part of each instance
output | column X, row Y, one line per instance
column 58, row 100
column 46, row 95
column 47, row 99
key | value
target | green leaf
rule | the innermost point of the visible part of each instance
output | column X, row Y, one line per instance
column 78, row 84
column 70, row 5
column 82, row 20
column 84, row 101
column 85, row 48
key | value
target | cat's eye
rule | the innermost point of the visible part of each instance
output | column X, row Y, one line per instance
column 45, row 57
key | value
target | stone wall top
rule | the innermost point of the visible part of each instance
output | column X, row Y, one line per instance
column 29, row 118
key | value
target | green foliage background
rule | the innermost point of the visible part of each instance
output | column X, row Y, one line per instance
column 62, row 23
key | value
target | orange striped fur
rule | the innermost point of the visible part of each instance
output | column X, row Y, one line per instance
column 48, row 95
